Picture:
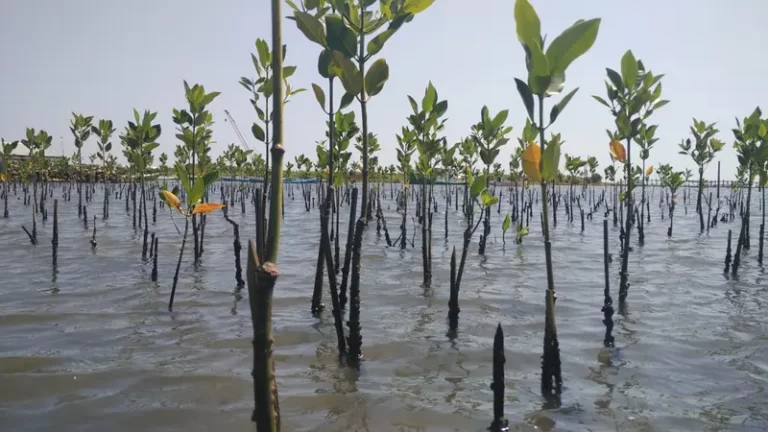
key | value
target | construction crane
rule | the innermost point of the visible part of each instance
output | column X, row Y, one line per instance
column 237, row 131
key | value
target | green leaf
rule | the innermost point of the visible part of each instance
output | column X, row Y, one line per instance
column 538, row 75
column 507, row 222
column 430, row 96
column 340, row 38
column 258, row 132
column 263, row 50
column 499, row 120
column 351, row 78
column 528, row 24
column 478, row 185
column 288, row 71
column 325, row 66
column 181, row 172
column 415, row 6
column 346, row 99
column 377, row 43
column 560, row 106
column 440, row 108
column 376, row 77
column 319, row 95
column 660, row 104
column 629, row 70
column 550, row 159
column 311, row 27
column 615, row 79
column 487, row 199
column 601, row 100
column 210, row 177
column 197, row 192
column 571, row 44
column 526, row 96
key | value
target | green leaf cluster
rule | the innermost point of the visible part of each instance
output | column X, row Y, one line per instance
column 547, row 65
column 426, row 124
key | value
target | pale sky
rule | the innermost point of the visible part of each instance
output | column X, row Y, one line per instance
column 104, row 58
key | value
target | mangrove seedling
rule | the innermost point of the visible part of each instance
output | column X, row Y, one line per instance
column 672, row 180
column 263, row 274
column 702, row 151
column 7, row 148
column 263, row 88
column 347, row 33
column 81, row 129
column 194, row 130
column 489, row 135
column 104, row 133
column 546, row 77
column 633, row 96
column 427, row 123
column 140, row 138
column 751, row 151
column 193, row 206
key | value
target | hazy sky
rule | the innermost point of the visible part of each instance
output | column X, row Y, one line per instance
column 103, row 58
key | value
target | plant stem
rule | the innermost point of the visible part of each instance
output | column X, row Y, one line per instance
column 364, row 209
column 178, row 264
column 624, row 274
column 550, row 374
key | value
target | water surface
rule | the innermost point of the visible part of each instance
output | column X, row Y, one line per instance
column 92, row 347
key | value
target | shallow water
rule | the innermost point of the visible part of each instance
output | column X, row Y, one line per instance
column 92, row 347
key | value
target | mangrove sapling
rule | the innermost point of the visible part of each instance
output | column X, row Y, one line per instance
column 81, row 129
column 155, row 242
column 193, row 206
column 573, row 164
column 237, row 247
column 194, row 130
column 520, row 231
column 426, row 123
column 504, row 227
column 346, row 36
column 262, row 275
column 479, row 194
column 702, row 152
column 328, row 258
column 645, row 139
column 7, row 150
column 728, row 256
column 607, row 300
column 263, row 88
column 93, row 237
column 752, row 151
column 340, row 131
column 448, row 161
column 355, row 338
column 489, row 135
column 104, row 132
column 348, row 250
column 405, row 148
column 546, row 77
column 140, row 138
column 633, row 96
column 672, row 180
column 499, row 423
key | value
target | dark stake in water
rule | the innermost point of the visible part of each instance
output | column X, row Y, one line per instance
column 94, row 348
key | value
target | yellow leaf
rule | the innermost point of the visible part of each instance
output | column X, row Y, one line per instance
column 206, row 208
column 532, row 162
column 617, row 150
column 173, row 200
column 649, row 171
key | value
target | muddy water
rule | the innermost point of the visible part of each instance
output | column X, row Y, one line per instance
column 91, row 346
